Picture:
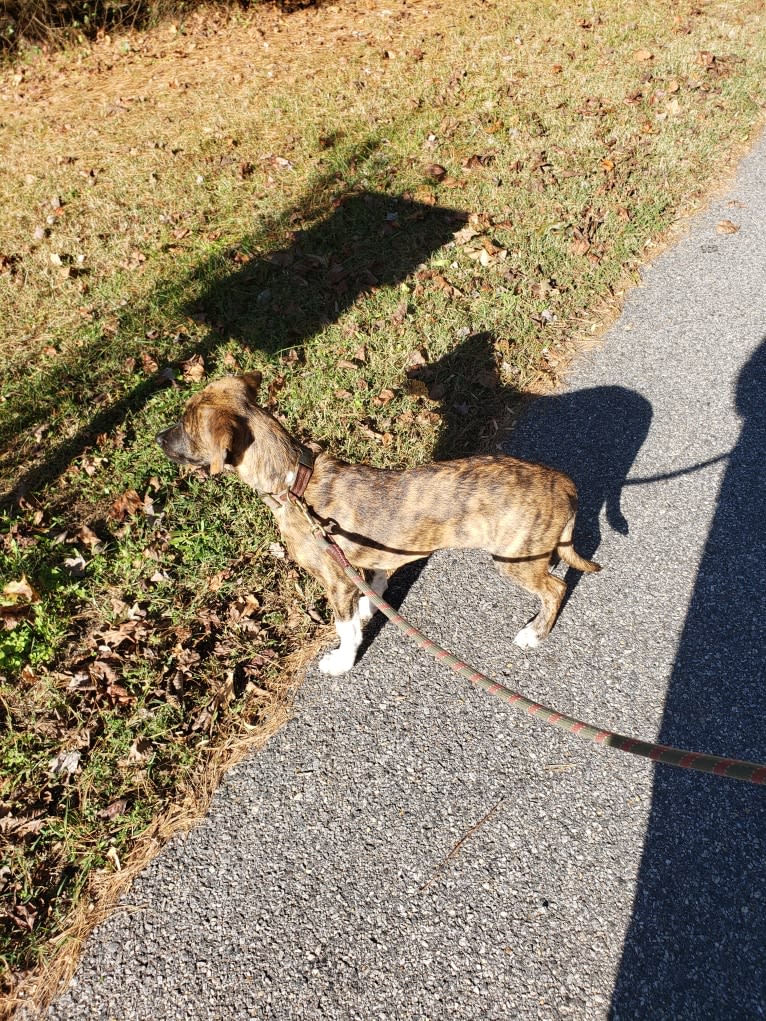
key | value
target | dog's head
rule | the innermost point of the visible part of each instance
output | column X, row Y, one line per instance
column 223, row 427
column 215, row 429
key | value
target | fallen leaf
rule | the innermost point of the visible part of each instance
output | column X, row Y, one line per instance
column 727, row 227
column 20, row 591
column 436, row 171
column 25, row 916
column 65, row 762
column 22, row 826
column 85, row 535
column 149, row 364
column 138, row 753
column 643, row 55
column 114, row 810
column 416, row 359
column 126, row 505
column 384, row 397
column 580, row 246
column 76, row 566
column 194, row 369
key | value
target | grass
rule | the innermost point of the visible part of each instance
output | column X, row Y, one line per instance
column 406, row 216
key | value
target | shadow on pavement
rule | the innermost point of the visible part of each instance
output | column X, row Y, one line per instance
column 594, row 436
column 696, row 944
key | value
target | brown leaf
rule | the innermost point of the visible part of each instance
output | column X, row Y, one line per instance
column 138, row 753
column 126, row 505
column 384, row 397
column 580, row 246
column 194, row 369
column 416, row 359
column 643, row 55
column 114, row 810
column 428, row 418
column 18, row 827
column 727, row 227
column 476, row 161
column 488, row 378
column 66, row 762
column 25, row 916
column 436, row 171
column 400, row 313
column 20, row 592
column 86, row 536
column 150, row 366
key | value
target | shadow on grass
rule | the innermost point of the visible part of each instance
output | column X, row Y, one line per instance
column 361, row 240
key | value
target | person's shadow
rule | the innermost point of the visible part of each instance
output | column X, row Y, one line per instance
column 260, row 297
column 696, row 945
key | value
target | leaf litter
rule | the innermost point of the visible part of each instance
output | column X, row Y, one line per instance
column 166, row 658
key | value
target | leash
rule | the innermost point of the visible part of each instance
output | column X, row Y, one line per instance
column 735, row 769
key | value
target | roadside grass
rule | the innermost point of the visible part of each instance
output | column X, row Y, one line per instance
column 406, row 217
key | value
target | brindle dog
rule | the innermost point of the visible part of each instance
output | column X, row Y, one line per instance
column 521, row 513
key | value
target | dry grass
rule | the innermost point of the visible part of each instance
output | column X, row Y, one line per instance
column 406, row 216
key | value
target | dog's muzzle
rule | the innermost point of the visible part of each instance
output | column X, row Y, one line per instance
column 173, row 445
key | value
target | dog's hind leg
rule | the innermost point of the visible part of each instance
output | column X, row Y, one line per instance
column 534, row 576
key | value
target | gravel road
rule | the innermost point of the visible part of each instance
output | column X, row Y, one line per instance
column 410, row 848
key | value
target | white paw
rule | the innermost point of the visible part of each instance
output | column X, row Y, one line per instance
column 366, row 609
column 527, row 638
column 336, row 662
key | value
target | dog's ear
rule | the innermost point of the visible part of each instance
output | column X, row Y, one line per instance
column 220, row 430
column 220, row 441
column 252, row 381
column 229, row 436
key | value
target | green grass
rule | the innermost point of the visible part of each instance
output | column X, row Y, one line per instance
column 396, row 312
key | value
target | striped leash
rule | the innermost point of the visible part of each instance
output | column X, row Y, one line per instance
column 736, row 769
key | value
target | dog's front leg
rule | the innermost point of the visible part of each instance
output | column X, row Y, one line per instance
column 345, row 602
column 378, row 584
column 340, row 660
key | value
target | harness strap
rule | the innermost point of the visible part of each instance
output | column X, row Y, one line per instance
column 303, row 472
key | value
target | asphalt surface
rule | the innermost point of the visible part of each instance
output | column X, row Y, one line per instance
column 410, row 848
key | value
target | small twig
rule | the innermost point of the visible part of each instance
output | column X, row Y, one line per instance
column 460, row 843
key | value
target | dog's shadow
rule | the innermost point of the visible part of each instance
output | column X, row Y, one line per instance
column 592, row 434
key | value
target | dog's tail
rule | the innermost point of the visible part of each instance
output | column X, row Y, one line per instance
column 569, row 554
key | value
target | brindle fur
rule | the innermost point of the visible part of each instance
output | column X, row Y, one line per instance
column 522, row 513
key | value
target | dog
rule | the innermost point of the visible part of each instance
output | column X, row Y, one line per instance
column 522, row 513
